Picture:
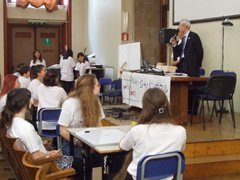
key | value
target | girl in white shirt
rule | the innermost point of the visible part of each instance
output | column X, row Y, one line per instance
column 155, row 132
column 16, row 125
column 24, row 78
column 10, row 82
column 81, row 109
column 37, row 59
column 50, row 95
column 37, row 74
column 82, row 64
column 66, row 68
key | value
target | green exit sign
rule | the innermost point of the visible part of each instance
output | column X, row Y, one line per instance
column 47, row 42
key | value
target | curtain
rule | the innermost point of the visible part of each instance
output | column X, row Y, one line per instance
column 50, row 5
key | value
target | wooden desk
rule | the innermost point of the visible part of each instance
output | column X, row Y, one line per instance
column 179, row 95
column 106, row 150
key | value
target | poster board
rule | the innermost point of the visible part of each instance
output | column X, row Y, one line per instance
column 134, row 86
column 129, row 56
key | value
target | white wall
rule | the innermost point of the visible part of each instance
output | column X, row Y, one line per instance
column 104, row 31
column 211, row 36
column 1, row 41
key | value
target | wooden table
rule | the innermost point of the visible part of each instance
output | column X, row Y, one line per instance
column 179, row 95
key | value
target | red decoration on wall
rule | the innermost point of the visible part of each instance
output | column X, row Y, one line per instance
column 50, row 5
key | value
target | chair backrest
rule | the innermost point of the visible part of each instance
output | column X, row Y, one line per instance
column 116, row 84
column 202, row 71
column 216, row 72
column 161, row 166
column 222, row 86
column 105, row 81
column 48, row 114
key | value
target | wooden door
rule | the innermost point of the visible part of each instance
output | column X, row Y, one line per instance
column 24, row 39
column 47, row 41
column 22, row 46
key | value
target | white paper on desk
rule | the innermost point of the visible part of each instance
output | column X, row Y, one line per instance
column 100, row 137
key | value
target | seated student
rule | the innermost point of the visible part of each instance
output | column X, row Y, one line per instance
column 17, row 126
column 155, row 132
column 18, row 69
column 81, row 109
column 82, row 64
column 49, row 95
column 10, row 82
column 24, row 78
column 37, row 74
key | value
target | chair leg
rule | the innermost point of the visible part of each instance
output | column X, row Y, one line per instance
column 192, row 109
column 204, row 123
column 232, row 112
column 59, row 142
column 213, row 109
column 221, row 111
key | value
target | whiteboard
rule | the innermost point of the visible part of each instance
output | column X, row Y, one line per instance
column 130, row 54
column 205, row 10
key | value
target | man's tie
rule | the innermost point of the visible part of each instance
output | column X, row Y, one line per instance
column 183, row 46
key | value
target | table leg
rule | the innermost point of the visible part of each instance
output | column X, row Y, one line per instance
column 71, row 145
column 105, row 168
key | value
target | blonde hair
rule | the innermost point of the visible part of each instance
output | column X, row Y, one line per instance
column 90, row 105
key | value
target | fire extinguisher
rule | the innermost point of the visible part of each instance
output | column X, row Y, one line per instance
column 125, row 36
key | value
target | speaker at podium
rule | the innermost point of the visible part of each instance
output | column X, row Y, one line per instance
column 166, row 34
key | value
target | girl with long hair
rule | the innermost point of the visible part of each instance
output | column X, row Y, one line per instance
column 37, row 59
column 155, row 133
column 10, row 82
column 16, row 125
column 81, row 109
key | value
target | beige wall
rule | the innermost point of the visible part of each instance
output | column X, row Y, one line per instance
column 1, row 41
column 78, row 26
column 211, row 36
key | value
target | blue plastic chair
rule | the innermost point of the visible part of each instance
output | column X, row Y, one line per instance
column 202, row 71
column 49, row 115
column 161, row 166
column 115, row 92
column 104, row 82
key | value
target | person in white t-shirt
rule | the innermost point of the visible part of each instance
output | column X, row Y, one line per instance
column 17, row 126
column 37, row 74
column 10, row 82
column 82, row 64
column 66, row 68
column 24, row 78
column 155, row 132
column 37, row 59
column 50, row 95
column 81, row 109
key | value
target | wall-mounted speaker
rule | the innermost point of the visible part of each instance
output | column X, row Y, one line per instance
column 166, row 34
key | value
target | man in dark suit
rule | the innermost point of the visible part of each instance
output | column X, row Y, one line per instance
column 188, row 52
